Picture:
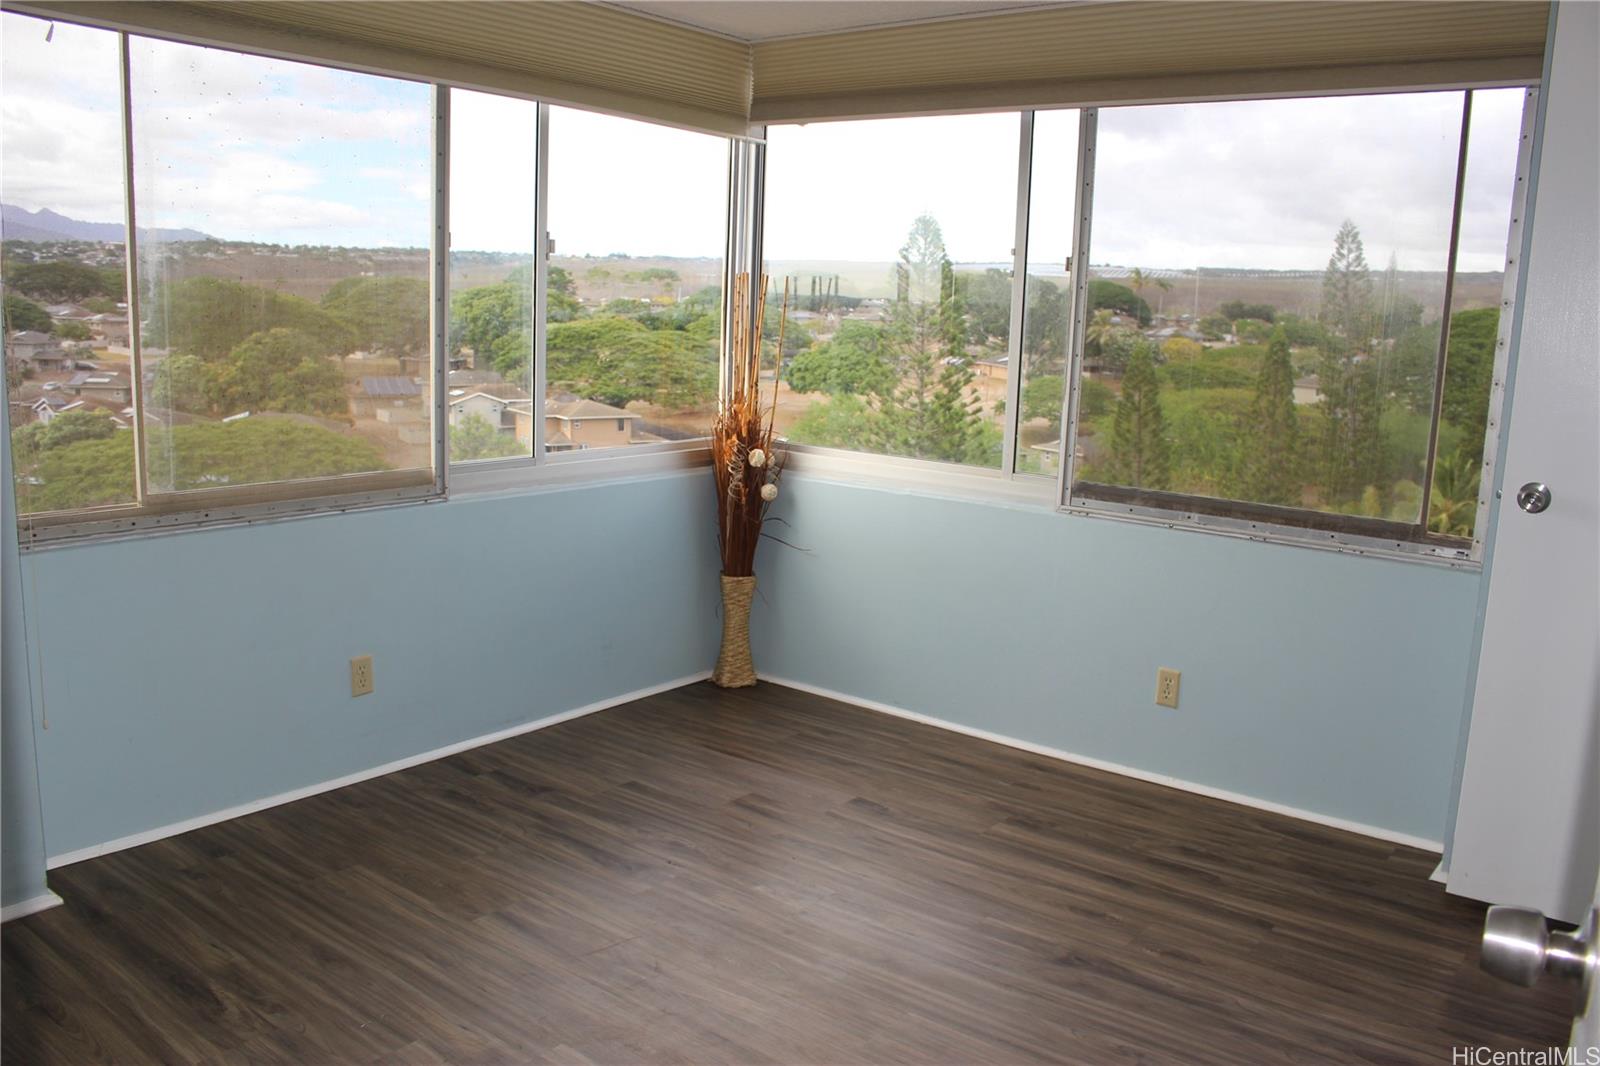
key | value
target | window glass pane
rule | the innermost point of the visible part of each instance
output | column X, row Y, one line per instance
column 1266, row 290
column 285, row 214
column 66, row 319
column 1047, row 315
column 493, row 145
column 1475, row 308
column 897, row 233
column 638, row 213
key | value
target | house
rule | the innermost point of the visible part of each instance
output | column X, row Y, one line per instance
column 461, row 379
column 490, row 402
column 572, row 423
column 376, row 393
column 1307, row 390
column 47, row 407
column 40, row 351
column 112, row 386
column 111, row 328
column 994, row 369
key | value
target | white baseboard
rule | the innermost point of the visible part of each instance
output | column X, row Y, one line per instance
column 1389, row 835
column 29, row 906
column 133, row 840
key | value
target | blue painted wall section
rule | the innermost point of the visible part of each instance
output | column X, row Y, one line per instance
column 21, row 836
column 1326, row 682
column 189, row 673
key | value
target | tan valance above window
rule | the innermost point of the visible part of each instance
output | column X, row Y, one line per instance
column 588, row 55
column 1093, row 52
column 1149, row 50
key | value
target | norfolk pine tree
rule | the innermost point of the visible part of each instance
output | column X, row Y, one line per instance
column 1351, row 445
column 1273, row 441
column 1140, row 454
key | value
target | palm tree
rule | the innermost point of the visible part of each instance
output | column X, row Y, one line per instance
column 1138, row 280
column 1101, row 326
column 1454, row 507
column 1165, row 286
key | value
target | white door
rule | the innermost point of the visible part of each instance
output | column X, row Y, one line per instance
column 1528, row 817
column 1586, row 1030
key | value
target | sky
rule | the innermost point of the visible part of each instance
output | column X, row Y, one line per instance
column 1237, row 184
column 246, row 148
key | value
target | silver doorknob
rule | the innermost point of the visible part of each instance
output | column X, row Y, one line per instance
column 1534, row 497
column 1518, row 947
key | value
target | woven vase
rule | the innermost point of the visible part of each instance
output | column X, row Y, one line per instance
column 735, row 669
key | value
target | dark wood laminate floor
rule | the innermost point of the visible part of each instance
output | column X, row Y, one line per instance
column 759, row 876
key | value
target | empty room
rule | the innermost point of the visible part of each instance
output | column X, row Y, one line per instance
column 800, row 531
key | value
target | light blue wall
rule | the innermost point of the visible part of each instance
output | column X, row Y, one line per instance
column 189, row 673
column 1326, row 682
column 21, row 836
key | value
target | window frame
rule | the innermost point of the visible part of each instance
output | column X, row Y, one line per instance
column 1291, row 525
column 223, row 505
column 228, row 505
column 1240, row 519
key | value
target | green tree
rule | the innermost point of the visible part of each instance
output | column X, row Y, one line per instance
column 1272, row 441
column 479, row 317
column 1044, row 327
column 1140, row 455
column 843, row 422
column 1095, row 398
column 854, row 361
column 1041, row 398
column 930, row 413
column 61, row 280
column 181, row 382
column 1469, row 374
column 23, row 313
column 384, row 314
column 619, row 360
column 1453, row 509
column 209, row 317
column 278, row 370
column 561, row 294
column 1118, row 298
column 1234, row 310
column 72, row 330
column 473, row 437
column 1347, row 289
column 74, row 426
column 1352, row 394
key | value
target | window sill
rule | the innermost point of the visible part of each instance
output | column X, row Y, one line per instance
column 1419, row 552
column 570, row 469
column 945, row 480
column 920, row 476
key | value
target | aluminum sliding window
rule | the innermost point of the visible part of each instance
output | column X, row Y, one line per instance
column 898, row 238
column 1288, row 324
column 257, row 333
column 240, row 286
column 1278, row 318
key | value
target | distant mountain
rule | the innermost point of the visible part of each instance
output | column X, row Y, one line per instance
column 20, row 224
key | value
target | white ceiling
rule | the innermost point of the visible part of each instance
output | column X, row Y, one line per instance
column 764, row 20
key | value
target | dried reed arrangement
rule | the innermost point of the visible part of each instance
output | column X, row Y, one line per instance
column 744, row 460
column 746, row 467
